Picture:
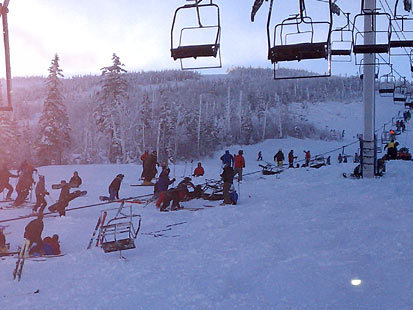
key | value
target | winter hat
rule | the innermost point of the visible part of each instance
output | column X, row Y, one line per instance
column 120, row 176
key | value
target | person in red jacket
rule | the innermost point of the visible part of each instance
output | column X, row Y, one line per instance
column 239, row 164
column 307, row 158
column 199, row 171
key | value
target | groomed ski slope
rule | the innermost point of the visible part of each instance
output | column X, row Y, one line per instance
column 294, row 242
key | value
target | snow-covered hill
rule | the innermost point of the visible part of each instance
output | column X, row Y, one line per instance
column 293, row 242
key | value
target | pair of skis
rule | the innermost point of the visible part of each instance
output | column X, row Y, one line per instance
column 100, row 223
column 20, row 260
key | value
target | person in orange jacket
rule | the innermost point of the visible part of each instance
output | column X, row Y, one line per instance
column 239, row 164
column 199, row 171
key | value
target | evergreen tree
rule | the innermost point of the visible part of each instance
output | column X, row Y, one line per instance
column 8, row 136
column 54, row 128
column 112, row 110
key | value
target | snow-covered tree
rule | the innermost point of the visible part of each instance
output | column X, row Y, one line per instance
column 111, row 112
column 54, row 128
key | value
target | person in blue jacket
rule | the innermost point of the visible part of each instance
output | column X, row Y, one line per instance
column 227, row 159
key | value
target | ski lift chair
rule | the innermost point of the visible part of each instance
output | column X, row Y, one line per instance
column 295, row 39
column 382, row 33
column 189, row 44
column 400, row 93
column 376, row 66
column 385, row 137
column 213, row 190
column 271, row 169
column 387, row 85
column 342, row 42
column 120, row 232
column 402, row 34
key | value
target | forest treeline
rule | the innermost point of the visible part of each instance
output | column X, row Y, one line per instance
column 116, row 116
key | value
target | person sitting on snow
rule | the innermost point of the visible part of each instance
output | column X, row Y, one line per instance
column 75, row 180
column 199, row 171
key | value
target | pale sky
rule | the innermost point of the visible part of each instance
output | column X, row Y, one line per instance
column 85, row 34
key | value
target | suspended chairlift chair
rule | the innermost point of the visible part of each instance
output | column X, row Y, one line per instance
column 400, row 92
column 377, row 69
column 387, row 84
column 120, row 232
column 402, row 30
column 342, row 42
column 195, row 45
column 299, row 38
column 382, row 34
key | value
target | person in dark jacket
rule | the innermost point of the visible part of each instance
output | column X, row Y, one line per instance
column 279, row 158
column 33, row 231
column 149, row 168
column 178, row 194
column 65, row 197
column 162, row 186
column 291, row 158
column 24, row 185
column 227, row 159
column 41, row 192
column 75, row 180
column 5, row 176
column 114, row 187
column 228, row 177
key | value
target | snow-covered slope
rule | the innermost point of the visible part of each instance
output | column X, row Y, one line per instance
column 294, row 241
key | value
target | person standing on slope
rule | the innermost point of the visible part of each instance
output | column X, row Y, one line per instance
column 291, row 158
column 5, row 176
column 227, row 177
column 307, row 158
column 41, row 192
column 239, row 164
column 33, row 233
column 199, row 171
column 227, row 159
column 279, row 158
column 114, row 187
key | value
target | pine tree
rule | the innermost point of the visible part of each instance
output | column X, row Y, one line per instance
column 54, row 128
column 112, row 111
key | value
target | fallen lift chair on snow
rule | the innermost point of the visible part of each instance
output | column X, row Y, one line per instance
column 120, row 232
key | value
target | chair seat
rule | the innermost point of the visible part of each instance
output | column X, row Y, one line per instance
column 297, row 52
column 369, row 49
column 194, row 51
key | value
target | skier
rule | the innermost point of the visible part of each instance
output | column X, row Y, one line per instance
column 3, row 246
column 402, row 126
column 5, row 175
column 33, row 232
column 228, row 177
column 279, row 158
column 23, row 186
column 162, row 186
column 41, row 192
column 307, row 158
column 26, row 167
column 340, row 158
column 199, row 171
column 114, row 187
column 227, row 159
column 75, row 180
column 239, row 164
column 149, row 168
column 259, row 156
column 291, row 158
